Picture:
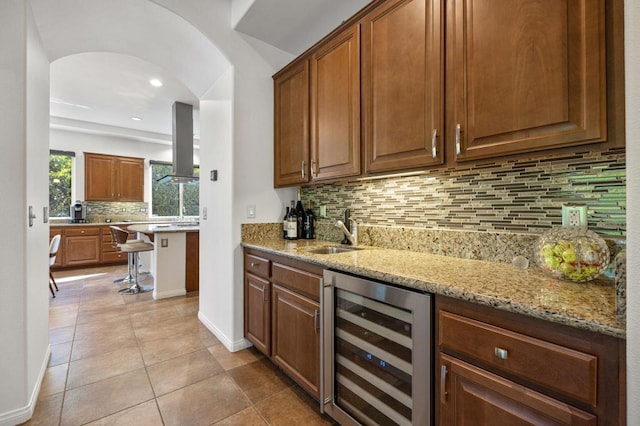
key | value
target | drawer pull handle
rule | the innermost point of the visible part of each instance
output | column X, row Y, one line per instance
column 253, row 265
column 443, row 384
column 501, row 353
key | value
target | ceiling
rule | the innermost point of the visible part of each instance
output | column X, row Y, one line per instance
column 103, row 55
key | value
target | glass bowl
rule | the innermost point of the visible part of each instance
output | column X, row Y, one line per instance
column 572, row 253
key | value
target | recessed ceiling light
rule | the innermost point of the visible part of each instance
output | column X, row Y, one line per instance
column 155, row 82
column 136, row 118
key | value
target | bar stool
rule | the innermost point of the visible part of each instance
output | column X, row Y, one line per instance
column 132, row 248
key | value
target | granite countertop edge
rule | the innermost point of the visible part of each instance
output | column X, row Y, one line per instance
column 587, row 306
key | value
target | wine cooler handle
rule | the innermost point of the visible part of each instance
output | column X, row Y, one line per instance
column 443, row 384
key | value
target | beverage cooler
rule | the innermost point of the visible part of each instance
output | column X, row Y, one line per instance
column 377, row 352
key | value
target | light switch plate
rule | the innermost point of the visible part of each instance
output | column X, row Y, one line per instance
column 164, row 242
column 251, row 211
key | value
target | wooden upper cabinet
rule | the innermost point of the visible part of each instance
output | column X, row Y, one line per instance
column 335, row 107
column 402, row 93
column 129, row 179
column 113, row 178
column 98, row 177
column 291, row 116
column 525, row 75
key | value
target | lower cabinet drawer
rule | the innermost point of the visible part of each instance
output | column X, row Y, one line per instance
column 296, row 279
column 116, row 256
column 77, row 232
column 555, row 367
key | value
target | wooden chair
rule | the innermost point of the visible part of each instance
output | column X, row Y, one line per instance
column 54, row 245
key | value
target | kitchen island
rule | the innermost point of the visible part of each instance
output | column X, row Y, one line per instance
column 175, row 258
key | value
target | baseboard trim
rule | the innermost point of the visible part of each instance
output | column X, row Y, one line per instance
column 232, row 346
column 167, row 294
column 21, row 415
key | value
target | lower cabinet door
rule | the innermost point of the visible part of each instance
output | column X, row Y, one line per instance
column 82, row 250
column 469, row 395
column 257, row 312
column 296, row 337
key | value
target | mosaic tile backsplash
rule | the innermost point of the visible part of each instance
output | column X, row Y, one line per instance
column 505, row 196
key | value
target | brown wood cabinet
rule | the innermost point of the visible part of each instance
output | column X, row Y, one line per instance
column 291, row 127
column 81, row 246
column 192, row 262
column 282, row 314
column 113, row 178
column 496, row 367
column 335, row 107
column 402, row 85
column 109, row 253
column 53, row 231
column 525, row 76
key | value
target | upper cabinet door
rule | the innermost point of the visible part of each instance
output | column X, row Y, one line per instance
column 335, row 107
column 402, row 85
column 527, row 75
column 291, row 116
column 98, row 177
column 130, row 176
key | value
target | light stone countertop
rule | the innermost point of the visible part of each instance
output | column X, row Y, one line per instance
column 588, row 306
column 152, row 228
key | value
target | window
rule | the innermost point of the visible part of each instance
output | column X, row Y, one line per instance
column 60, row 178
column 168, row 199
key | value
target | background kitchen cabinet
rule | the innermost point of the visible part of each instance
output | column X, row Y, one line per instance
column 60, row 255
column 192, row 262
column 335, row 106
column 113, row 178
column 496, row 367
column 291, row 127
column 257, row 302
column 81, row 246
column 524, row 76
column 109, row 253
column 402, row 85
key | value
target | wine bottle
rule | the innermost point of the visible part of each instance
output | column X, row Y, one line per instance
column 285, row 223
column 300, row 218
column 292, row 221
column 308, row 226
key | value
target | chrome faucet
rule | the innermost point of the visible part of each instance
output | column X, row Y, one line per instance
column 352, row 236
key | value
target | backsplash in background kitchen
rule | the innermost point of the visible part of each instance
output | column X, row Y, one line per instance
column 98, row 211
column 505, row 196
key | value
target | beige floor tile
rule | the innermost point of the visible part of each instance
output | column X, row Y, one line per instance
column 104, row 314
column 230, row 360
column 54, row 380
column 106, row 397
column 61, row 335
column 140, row 297
column 155, row 351
column 110, row 326
column 260, row 379
column 60, row 354
column 182, row 371
column 62, row 319
column 47, row 412
column 85, row 348
column 145, row 414
column 246, row 417
column 202, row 403
column 207, row 338
column 167, row 328
column 100, row 367
column 290, row 408
column 145, row 318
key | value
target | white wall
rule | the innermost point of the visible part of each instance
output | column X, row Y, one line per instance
column 79, row 143
column 632, row 99
column 245, row 154
column 24, row 104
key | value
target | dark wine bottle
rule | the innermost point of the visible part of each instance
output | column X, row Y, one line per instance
column 292, row 222
column 285, row 225
column 308, row 226
column 300, row 218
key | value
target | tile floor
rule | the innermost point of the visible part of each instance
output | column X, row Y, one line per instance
column 131, row 360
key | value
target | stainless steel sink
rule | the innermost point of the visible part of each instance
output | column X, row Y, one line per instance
column 333, row 250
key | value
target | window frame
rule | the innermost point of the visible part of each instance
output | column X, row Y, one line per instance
column 72, row 181
column 180, row 194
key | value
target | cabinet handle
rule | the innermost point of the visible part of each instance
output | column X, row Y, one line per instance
column 458, row 131
column 313, row 168
column 82, row 232
column 253, row 265
column 501, row 353
column 264, row 294
column 316, row 317
column 443, row 384
column 303, row 171
column 434, row 149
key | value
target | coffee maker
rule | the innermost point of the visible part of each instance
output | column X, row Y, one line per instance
column 78, row 212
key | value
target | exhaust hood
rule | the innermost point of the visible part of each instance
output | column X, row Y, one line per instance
column 182, row 145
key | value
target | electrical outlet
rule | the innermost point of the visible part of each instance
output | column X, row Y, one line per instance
column 323, row 211
column 574, row 215
column 204, row 213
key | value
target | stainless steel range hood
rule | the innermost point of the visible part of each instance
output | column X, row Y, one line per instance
column 182, row 145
